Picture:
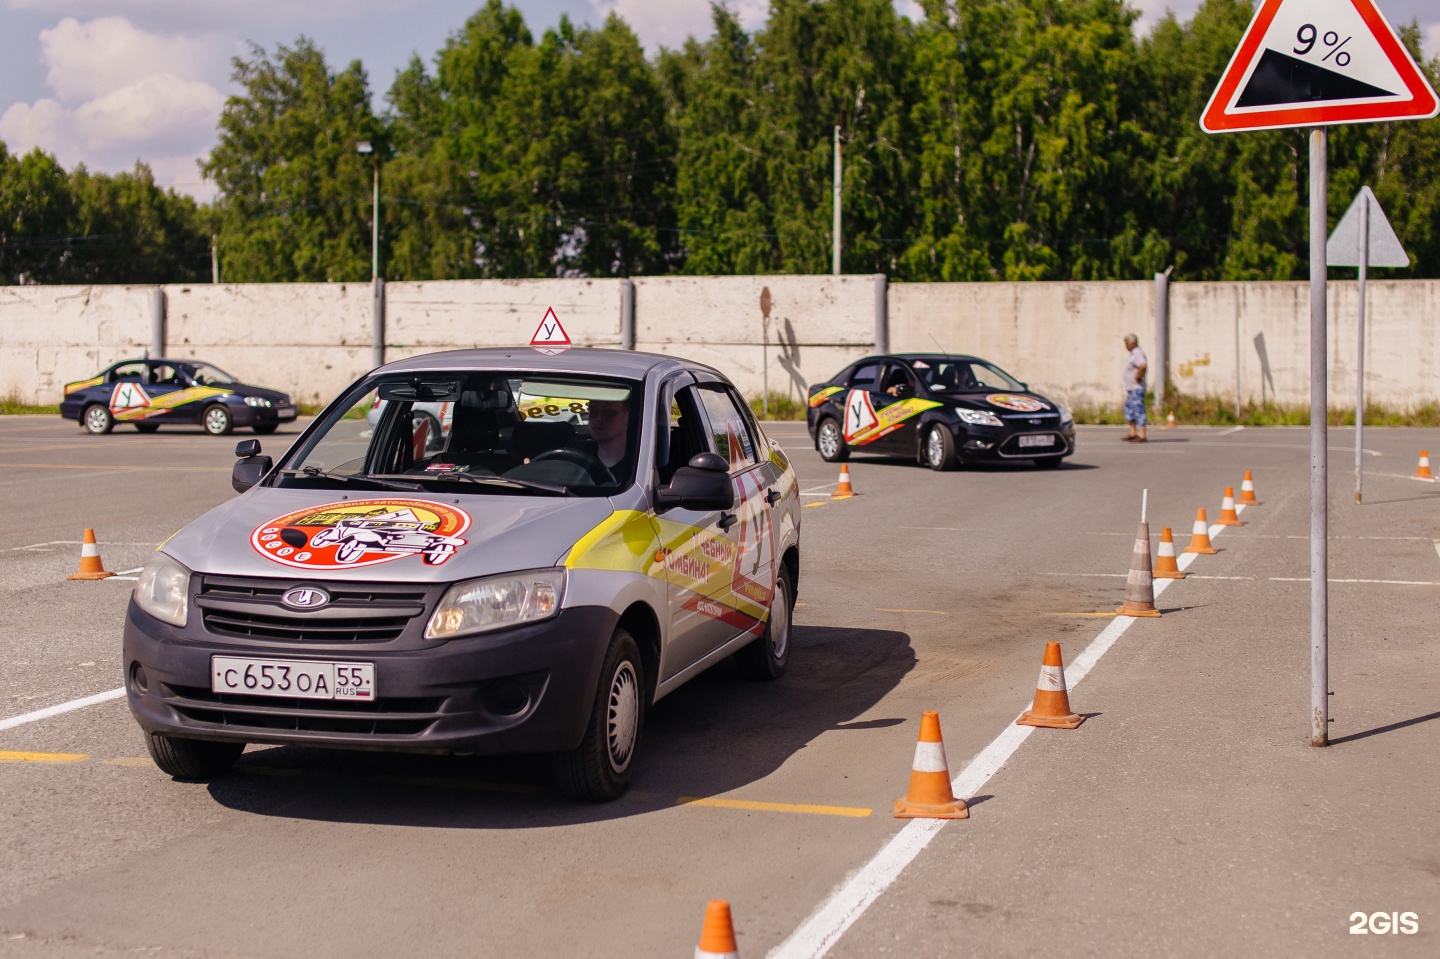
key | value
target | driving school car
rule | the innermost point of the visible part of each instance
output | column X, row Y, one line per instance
column 533, row 585
column 149, row 393
column 944, row 410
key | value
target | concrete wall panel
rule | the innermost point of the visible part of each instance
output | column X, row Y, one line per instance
column 460, row 314
column 53, row 335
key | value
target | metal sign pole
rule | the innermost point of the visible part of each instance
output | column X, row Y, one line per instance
column 1319, row 421
column 1360, row 351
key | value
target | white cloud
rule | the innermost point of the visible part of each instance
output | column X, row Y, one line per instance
column 669, row 22
column 122, row 93
column 206, row 15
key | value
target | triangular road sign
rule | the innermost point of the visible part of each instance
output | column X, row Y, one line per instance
column 1308, row 63
column 1343, row 249
column 550, row 337
column 859, row 414
column 128, row 400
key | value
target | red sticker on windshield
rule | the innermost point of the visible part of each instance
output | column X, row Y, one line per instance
column 362, row 533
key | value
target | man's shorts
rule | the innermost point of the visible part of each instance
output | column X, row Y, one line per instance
column 1135, row 407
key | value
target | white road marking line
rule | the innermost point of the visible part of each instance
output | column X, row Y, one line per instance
column 1437, row 547
column 49, row 711
column 817, row 934
column 944, row 529
column 1384, row 582
column 1233, row 429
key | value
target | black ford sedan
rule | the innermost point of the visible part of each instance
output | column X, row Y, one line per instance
column 944, row 410
column 151, row 392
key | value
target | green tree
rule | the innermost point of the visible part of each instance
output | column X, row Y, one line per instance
column 35, row 213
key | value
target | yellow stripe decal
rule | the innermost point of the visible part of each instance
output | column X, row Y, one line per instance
column 852, row 812
column 626, row 540
column 14, row 757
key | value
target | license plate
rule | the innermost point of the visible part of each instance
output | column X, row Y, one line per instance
column 288, row 678
column 1037, row 441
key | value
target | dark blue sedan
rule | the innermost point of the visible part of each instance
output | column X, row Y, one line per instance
column 149, row 393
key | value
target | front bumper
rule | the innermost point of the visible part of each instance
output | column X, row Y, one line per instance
column 522, row 690
column 990, row 444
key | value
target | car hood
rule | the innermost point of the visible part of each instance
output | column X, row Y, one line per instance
column 469, row 535
column 274, row 396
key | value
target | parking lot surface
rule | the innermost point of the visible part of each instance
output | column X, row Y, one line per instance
column 1187, row 816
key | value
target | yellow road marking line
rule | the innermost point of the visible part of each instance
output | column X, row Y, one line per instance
column 103, row 469
column 16, row 757
column 1092, row 615
column 810, row 505
column 811, row 809
column 935, row 612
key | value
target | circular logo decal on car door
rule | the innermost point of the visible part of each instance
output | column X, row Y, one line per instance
column 362, row 533
column 1020, row 404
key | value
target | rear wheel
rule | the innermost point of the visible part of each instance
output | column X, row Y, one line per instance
column 767, row 657
column 939, row 449
column 147, row 427
column 192, row 758
column 831, row 442
column 216, row 420
column 600, row 768
column 97, row 419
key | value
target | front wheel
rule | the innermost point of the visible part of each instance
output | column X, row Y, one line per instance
column 600, row 768
column 767, row 657
column 831, row 442
column 192, row 758
column 97, row 420
column 217, row 420
column 939, row 451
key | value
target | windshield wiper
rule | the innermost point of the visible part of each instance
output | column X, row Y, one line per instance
column 317, row 472
column 498, row 481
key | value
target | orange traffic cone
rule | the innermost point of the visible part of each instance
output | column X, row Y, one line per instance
column 1228, row 516
column 90, row 565
column 1139, row 587
column 717, row 936
column 1170, row 420
column 844, row 490
column 1247, row 491
column 929, row 795
column 1165, row 565
column 1051, row 708
column 1423, row 470
column 1200, row 536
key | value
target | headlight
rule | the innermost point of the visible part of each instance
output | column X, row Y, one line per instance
column 163, row 590
column 979, row 418
column 1066, row 416
column 256, row 401
column 480, row 605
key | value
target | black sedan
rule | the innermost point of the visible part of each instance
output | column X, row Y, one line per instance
column 149, row 393
column 942, row 409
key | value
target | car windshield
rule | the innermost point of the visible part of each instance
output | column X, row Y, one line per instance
column 206, row 375
column 948, row 375
column 477, row 432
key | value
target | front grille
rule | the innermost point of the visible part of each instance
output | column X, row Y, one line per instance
column 249, row 608
column 396, row 716
column 1012, row 447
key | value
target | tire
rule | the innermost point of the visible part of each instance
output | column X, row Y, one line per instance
column 96, row 420
column 217, row 420
column 600, row 768
column 938, row 450
column 767, row 657
column 830, row 441
column 265, row 429
column 1049, row 463
column 192, row 758
column 147, row 427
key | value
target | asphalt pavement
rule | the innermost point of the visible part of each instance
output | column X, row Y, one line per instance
column 1188, row 816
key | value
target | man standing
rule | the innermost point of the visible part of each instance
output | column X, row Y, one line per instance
column 1134, row 379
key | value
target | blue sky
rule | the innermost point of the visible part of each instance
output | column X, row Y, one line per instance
column 105, row 82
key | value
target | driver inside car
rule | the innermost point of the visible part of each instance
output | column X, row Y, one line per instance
column 609, row 428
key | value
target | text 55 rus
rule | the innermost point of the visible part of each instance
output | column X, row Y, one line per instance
column 1383, row 922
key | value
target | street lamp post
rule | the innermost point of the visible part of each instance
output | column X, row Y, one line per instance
column 377, row 325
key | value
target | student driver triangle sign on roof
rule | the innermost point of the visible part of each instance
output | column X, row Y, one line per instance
column 1318, row 62
column 550, row 337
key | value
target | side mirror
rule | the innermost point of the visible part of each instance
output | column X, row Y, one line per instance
column 704, row 484
column 251, row 467
column 904, row 389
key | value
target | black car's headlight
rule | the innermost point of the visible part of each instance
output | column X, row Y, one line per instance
column 978, row 418
column 494, row 602
column 163, row 590
column 1067, row 418
column 256, row 401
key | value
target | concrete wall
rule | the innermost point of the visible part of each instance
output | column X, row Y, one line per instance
column 1063, row 338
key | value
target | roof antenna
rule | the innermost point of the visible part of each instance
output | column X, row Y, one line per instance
column 937, row 343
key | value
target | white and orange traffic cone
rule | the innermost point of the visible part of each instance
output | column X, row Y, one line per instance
column 1139, row 586
column 90, row 565
column 1165, row 565
column 1423, row 470
column 1228, row 516
column 1200, row 536
column 1247, row 491
column 929, row 795
column 844, row 490
column 1170, row 420
column 717, row 936
column 1051, row 708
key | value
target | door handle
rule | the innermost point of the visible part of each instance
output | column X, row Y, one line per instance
column 772, row 497
column 727, row 520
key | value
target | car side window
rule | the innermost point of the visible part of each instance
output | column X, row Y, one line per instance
column 729, row 434
column 128, row 373
column 163, row 374
column 898, row 380
column 866, row 377
column 687, row 433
